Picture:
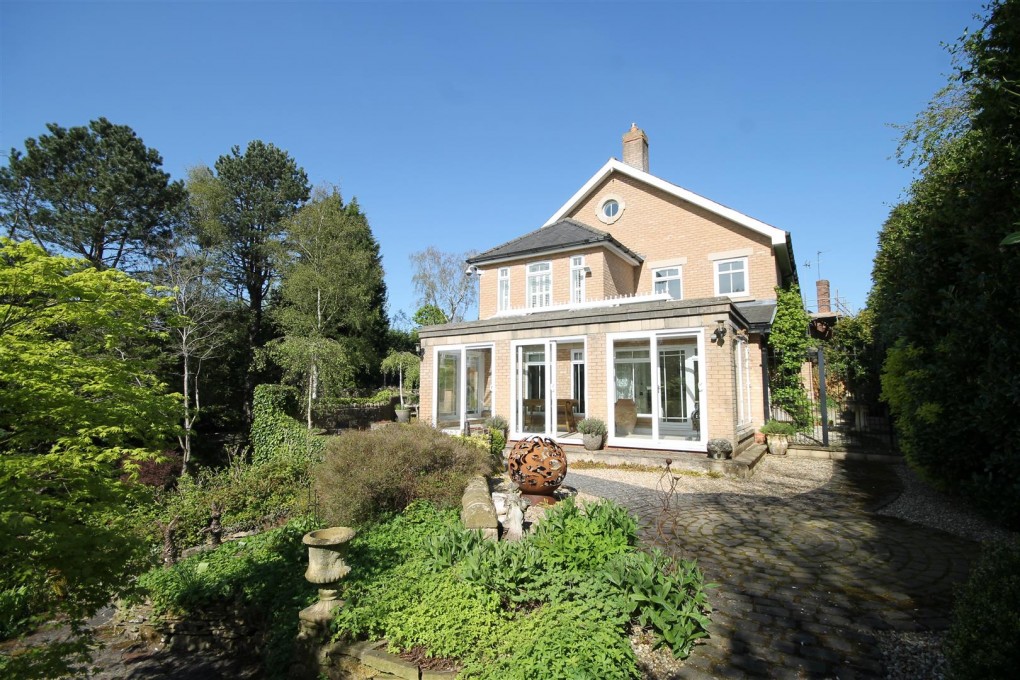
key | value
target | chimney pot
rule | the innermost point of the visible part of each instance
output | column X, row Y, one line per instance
column 635, row 148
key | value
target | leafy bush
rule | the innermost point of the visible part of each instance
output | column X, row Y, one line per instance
column 277, row 436
column 667, row 595
column 497, row 422
column 497, row 443
column 779, row 427
column 789, row 343
column 261, row 573
column 593, row 426
column 568, row 639
column 366, row 475
column 572, row 540
column 20, row 608
column 556, row 604
column 982, row 639
column 251, row 496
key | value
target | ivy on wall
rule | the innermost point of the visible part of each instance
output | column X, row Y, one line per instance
column 789, row 344
column 275, row 434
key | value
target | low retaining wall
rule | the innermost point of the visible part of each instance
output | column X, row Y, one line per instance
column 238, row 630
column 370, row 661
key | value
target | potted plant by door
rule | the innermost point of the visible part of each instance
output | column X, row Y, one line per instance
column 778, row 434
column 401, row 364
column 593, row 433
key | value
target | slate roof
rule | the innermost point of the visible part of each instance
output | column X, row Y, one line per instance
column 562, row 235
column 759, row 314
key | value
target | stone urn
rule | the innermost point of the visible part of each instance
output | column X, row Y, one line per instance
column 403, row 415
column 719, row 449
column 778, row 443
column 537, row 465
column 625, row 415
column 592, row 442
column 326, row 567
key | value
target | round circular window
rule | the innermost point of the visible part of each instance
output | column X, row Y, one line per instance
column 610, row 209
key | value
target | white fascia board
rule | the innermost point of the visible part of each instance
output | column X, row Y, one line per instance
column 778, row 236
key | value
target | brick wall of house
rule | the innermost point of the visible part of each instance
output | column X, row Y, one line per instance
column 605, row 267
column 663, row 229
column 718, row 402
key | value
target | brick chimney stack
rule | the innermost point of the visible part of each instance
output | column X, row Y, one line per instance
column 635, row 148
column 824, row 304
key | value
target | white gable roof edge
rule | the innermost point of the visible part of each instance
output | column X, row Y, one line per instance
column 777, row 235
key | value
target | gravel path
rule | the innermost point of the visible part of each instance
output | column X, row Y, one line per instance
column 813, row 582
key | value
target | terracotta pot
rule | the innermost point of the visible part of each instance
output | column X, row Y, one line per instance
column 625, row 416
column 537, row 465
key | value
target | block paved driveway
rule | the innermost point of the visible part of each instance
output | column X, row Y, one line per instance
column 805, row 583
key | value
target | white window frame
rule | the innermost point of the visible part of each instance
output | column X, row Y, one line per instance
column 461, row 350
column 577, row 359
column 679, row 278
column 653, row 337
column 551, row 387
column 747, row 276
column 577, row 276
column 544, row 297
column 503, row 291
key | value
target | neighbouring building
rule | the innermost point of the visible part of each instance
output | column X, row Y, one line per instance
column 638, row 302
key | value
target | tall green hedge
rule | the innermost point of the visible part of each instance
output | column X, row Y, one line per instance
column 276, row 434
column 946, row 294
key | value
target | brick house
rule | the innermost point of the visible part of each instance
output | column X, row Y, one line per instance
column 638, row 302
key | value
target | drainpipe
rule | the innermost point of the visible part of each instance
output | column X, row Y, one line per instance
column 765, row 381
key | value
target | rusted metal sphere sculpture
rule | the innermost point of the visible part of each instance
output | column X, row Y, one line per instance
column 537, row 465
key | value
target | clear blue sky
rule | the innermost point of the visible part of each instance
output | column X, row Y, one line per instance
column 462, row 125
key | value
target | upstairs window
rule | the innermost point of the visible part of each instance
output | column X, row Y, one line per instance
column 577, row 273
column 731, row 277
column 539, row 284
column 667, row 280
column 504, row 289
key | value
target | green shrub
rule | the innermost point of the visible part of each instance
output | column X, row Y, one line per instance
column 666, row 595
column 779, row 427
column 593, row 426
column 497, row 443
column 576, row 540
column 21, row 607
column 261, row 573
column 251, row 496
column 559, row 640
column 366, row 475
column 276, row 435
column 556, row 604
column 983, row 635
column 497, row 422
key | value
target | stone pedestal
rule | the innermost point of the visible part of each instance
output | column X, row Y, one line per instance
column 326, row 567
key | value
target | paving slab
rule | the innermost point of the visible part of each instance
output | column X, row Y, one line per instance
column 805, row 583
